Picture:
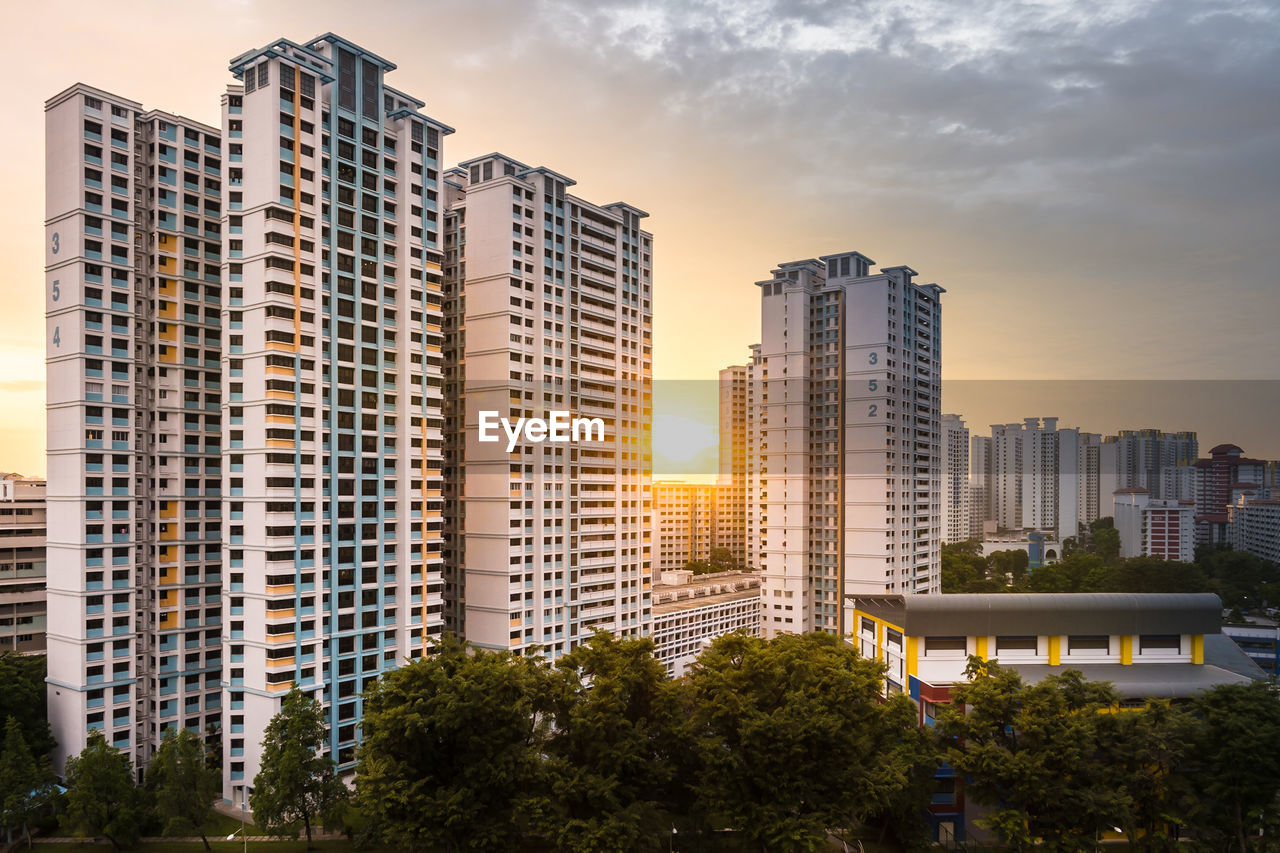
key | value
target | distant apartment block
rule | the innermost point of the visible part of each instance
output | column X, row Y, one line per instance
column 1254, row 522
column 689, row 611
column 22, row 564
column 1154, row 527
column 550, row 309
column 684, row 524
column 981, row 484
column 133, row 302
column 1044, row 477
column 1138, row 458
column 956, row 492
column 731, row 482
column 1217, row 479
column 849, row 431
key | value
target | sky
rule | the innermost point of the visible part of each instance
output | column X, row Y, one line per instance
column 1095, row 183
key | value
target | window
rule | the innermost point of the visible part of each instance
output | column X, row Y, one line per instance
column 1159, row 643
column 1089, row 644
column 1015, row 644
column 944, row 645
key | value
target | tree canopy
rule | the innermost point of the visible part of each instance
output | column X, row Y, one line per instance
column 296, row 784
column 184, row 785
column 102, row 798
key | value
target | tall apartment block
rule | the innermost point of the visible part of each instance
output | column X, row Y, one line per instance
column 22, row 564
column 1044, row 477
column 685, row 524
column 956, row 492
column 981, row 484
column 1216, row 479
column 334, row 373
column 133, row 236
column 850, row 364
column 757, row 493
column 731, row 482
column 550, row 309
column 1137, row 458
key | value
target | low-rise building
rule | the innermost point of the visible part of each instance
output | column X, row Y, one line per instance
column 1154, row 646
column 1259, row 638
column 1149, row 527
column 689, row 611
column 22, row 564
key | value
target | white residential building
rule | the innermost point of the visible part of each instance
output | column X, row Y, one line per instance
column 956, row 492
column 1154, row 527
column 551, row 310
column 684, row 524
column 133, row 243
column 23, row 523
column 1044, row 477
column 333, row 368
column 731, row 483
column 850, row 429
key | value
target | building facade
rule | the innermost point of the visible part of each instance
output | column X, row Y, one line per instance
column 133, row 296
column 731, row 482
column 22, row 564
column 1216, row 480
column 1154, row 527
column 685, row 524
column 334, row 373
column 551, row 310
column 850, row 436
column 956, row 492
column 690, row 611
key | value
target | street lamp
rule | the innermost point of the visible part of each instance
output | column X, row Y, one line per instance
column 244, row 804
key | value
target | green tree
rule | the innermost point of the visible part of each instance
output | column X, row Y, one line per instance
column 24, row 782
column 1240, row 579
column 1106, row 543
column 295, row 783
column 101, row 797
column 183, row 784
column 23, row 698
column 452, row 750
column 615, row 746
column 1012, row 564
column 794, row 738
column 1033, row 754
column 1146, row 754
column 1236, row 763
column 1078, row 573
column 964, row 570
column 1151, row 574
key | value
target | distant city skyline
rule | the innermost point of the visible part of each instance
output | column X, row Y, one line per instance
column 1093, row 182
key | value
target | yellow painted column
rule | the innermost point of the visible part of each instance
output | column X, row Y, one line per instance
column 980, row 648
column 1055, row 650
column 1126, row 649
column 1197, row 648
column 912, row 651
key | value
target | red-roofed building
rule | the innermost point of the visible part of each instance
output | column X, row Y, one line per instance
column 1218, row 478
